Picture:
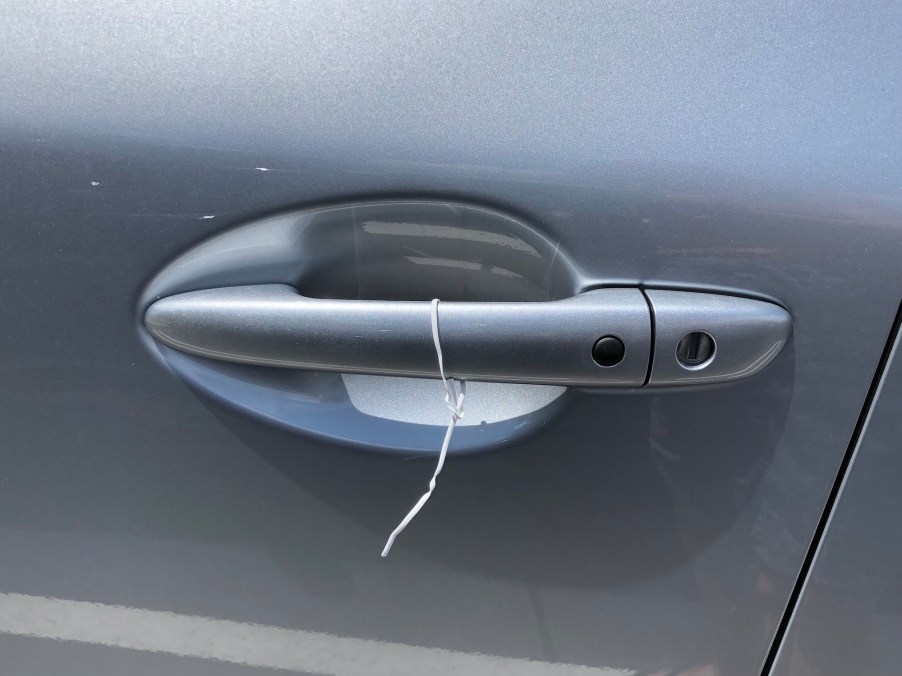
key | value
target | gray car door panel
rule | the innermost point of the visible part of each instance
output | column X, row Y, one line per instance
column 153, row 520
column 849, row 615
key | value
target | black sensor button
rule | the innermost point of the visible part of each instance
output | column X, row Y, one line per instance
column 608, row 351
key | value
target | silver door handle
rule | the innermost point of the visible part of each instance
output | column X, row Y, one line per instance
column 600, row 338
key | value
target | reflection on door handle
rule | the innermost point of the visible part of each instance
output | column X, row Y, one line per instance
column 517, row 342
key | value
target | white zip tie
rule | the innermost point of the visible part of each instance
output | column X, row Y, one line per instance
column 455, row 403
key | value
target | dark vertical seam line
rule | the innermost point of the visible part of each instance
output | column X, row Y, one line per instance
column 651, row 347
column 863, row 416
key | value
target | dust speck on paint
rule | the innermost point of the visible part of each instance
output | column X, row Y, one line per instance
column 94, row 184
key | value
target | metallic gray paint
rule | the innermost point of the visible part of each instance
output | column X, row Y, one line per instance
column 529, row 342
column 849, row 617
column 535, row 343
column 753, row 148
column 390, row 250
column 748, row 335
column 461, row 252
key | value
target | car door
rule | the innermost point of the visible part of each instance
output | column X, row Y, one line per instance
column 846, row 619
column 164, row 511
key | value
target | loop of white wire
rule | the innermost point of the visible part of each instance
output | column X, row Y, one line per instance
column 454, row 400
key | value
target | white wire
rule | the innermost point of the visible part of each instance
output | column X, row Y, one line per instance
column 454, row 400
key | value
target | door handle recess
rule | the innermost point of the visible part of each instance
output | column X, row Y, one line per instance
column 516, row 342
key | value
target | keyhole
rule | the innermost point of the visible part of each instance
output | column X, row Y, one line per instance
column 695, row 350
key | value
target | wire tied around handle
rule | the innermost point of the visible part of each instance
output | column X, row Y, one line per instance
column 454, row 400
